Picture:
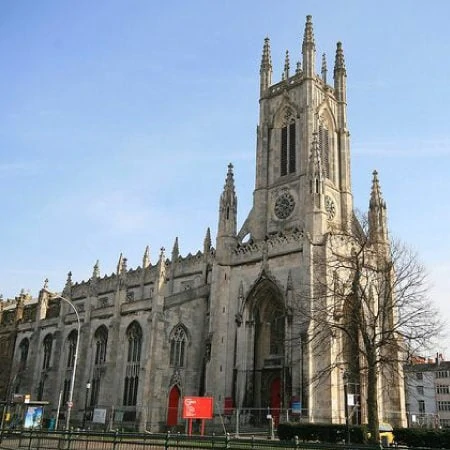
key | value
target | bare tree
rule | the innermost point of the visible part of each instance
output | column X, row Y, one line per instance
column 369, row 296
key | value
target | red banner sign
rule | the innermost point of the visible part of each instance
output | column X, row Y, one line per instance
column 197, row 408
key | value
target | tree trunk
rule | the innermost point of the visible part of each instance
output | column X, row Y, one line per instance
column 372, row 400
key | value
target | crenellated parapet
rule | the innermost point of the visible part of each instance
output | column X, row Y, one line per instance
column 129, row 285
column 275, row 245
column 191, row 261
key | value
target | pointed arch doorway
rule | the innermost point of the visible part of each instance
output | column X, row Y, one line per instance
column 262, row 374
column 173, row 406
column 275, row 399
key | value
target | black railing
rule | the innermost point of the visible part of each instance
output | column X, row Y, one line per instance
column 84, row 440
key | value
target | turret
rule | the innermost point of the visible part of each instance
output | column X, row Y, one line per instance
column 309, row 49
column 378, row 233
column 265, row 72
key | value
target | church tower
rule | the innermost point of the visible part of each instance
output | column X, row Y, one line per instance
column 302, row 156
column 265, row 352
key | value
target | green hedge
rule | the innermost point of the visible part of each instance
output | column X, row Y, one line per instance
column 320, row 432
column 420, row 437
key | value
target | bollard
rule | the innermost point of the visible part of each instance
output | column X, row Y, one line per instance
column 166, row 442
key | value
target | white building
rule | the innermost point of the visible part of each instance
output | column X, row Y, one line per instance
column 428, row 393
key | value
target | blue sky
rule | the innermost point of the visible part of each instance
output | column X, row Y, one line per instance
column 118, row 120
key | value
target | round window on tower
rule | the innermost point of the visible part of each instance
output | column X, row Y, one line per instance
column 284, row 205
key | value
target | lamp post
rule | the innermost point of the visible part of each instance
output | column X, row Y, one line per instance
column 88, row 386
column 74, row 368
column 347, row 427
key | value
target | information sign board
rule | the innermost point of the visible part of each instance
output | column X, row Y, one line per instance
column 197, row 408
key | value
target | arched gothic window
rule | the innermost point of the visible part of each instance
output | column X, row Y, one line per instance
column 131, row 382
column 177, row 346
column 324, row 145
column 23, row 353
column 277, row 334
column 72, row 347
column 134, row 336
column 101, row 341
column 47, row 344
column 328, row 148
column 288, row 162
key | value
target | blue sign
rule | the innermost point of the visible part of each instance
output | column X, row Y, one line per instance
column 296, row 407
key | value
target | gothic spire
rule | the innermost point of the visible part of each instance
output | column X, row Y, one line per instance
column 315, row 167
column 161, row 277
column 67, row 287
column 377, row 212
column 96, row 270
column 175, row 250
column 308, row 36
column 340, row 74
column 265, row 70
column 324, row 68
column 226, row 230
column 286, row 66
column 162, row 256
column 121, row 265
column 339, row 63
column 229, row 193
column 146, row 258
column 228, row 199
column 308, row 48
column 376, row 199
column 207, row 242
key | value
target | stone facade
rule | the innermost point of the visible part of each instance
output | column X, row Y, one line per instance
column 224, row 322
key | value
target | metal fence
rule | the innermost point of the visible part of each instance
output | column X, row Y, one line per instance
column 233, row 421
column 37, row 440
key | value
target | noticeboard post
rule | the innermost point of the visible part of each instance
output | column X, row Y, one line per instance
column 197, row 408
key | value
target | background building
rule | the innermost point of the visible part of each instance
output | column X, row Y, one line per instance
column 226, row 321
column 428, row 393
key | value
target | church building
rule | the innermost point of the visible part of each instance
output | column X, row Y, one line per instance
column 234, row 321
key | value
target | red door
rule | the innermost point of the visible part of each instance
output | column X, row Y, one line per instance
column 275, row 399
column 172, row 412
